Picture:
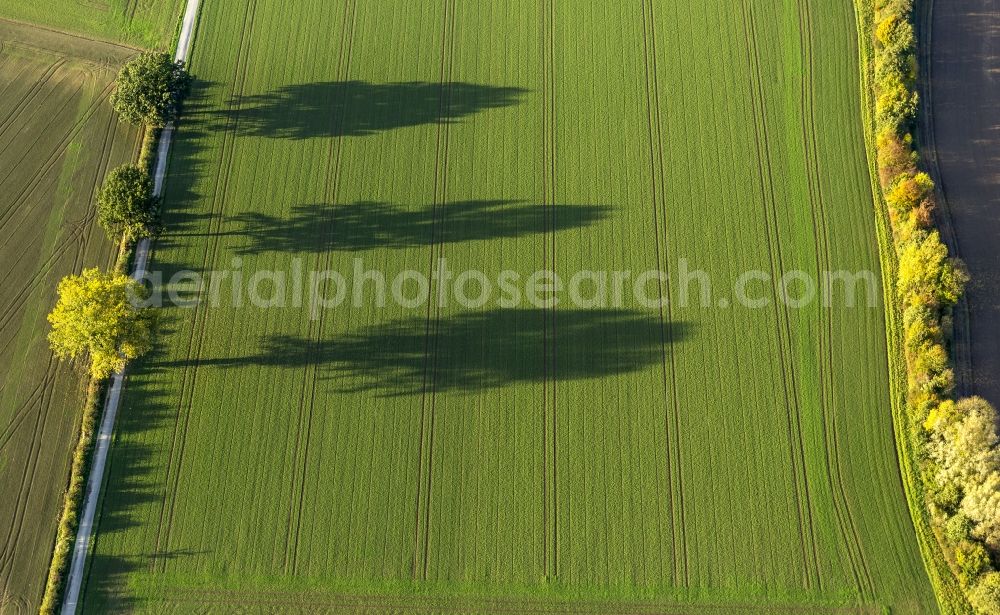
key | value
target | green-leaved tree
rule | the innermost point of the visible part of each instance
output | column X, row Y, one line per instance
column 149, row 89
column 97, row 317
column 126, row 206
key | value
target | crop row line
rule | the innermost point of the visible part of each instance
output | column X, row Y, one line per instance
column 40, row 137
column 782, row 317
column 40, row 399
column 28, row 473
column 9, row 311
column 550, row 496
column 71, row 239
column 315, row 336
column 672, row 454
column 29, row 97
column 20, row 413
column 425, row 451
column 79, row 229
column 463, row 604
column 197, row 338
column 845, row 521
column 57, row 151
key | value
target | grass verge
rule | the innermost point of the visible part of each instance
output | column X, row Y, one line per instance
column 69, row 517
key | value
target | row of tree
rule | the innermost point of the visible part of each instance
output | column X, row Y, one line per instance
column 98, row 317
column 956, row 441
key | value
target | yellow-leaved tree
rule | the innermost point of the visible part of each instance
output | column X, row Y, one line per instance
column 98, row 316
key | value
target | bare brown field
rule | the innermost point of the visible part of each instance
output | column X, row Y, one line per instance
column 58, row 138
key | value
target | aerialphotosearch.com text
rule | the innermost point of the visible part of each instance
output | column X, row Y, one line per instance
column 363, row 286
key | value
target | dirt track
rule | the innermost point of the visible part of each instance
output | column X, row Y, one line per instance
column 960, row 61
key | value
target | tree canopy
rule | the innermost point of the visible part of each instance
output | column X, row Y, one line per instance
column 986, row 595
column 126, row 204
column 96, row 317
column 149, row 89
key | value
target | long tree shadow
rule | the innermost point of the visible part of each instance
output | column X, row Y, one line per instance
column 475, row 351
column 359, row 108
column 134, row 482
column 189, row 164
column 367, row 225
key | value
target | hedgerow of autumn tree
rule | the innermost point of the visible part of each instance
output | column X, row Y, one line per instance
column 959, row 461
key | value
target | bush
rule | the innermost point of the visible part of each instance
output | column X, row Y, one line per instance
column 126, row 206
column 908, row 192
column 972, row 561
column 963, row 445
column 921, row 326
column 930, row 370
column 982, row 504
column 906, row 230
column 944, row 496
column 926, row 274
column 895, row 36
column 149, row 89
column 958, row 529
column 968, row 427
column 895, row 156
column 986, row 594
column 895, row 106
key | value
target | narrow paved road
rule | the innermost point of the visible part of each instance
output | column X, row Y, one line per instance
column 84, row 533
column 960, row 130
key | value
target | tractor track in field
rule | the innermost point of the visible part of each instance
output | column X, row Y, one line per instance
column 669, row 367
column 4, row 60
column 77, row 231
column 196, row 341
column 421, row 550
column 9, row 311
column 551, row 235
column 40, row 135
column 102, row 43
column 23, row 410
column 72, row 238
column 59, row 150
column 87, row 222
column 784, row 342
column 42, row 397
column 76, row 238
column 29, row 97
column 331, row 195
column 549, row 414
column 834, row 470
column 13, row 605
column 20, row 413
column 90, row 213
column 28, row 472
column 130, row 8
column 546, row 488
column 440, row 198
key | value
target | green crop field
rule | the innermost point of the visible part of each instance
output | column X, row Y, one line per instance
column 143, row 23
column 716, row 458
column 58, row 136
